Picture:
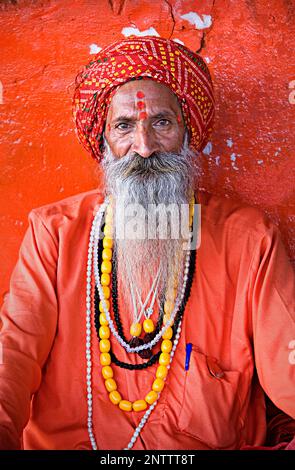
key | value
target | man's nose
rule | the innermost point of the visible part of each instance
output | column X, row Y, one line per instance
column 144, row 142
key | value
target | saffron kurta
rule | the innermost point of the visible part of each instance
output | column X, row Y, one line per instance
column 240, row 319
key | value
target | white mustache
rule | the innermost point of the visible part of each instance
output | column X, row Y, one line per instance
column 164, row 177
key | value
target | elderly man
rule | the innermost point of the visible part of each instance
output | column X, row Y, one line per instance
column 115, row 342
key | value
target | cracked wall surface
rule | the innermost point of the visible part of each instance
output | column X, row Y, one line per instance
column 249, row 48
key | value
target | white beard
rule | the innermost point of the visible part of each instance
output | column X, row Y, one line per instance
column 165, row 178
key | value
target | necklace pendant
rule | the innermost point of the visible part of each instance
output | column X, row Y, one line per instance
column 135, row 329
column 148, row 325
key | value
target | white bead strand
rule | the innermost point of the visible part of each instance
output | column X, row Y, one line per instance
column 98, row 217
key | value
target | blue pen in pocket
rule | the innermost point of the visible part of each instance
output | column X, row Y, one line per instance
column 188, row 351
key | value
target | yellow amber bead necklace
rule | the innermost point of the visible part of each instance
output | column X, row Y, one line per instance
column 102, row 283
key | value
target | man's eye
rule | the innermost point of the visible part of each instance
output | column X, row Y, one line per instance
column 163, row 123
column 123, row 126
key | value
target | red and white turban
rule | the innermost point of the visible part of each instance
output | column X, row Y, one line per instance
column 162, row 60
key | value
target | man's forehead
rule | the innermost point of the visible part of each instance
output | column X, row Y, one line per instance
column 149, row 91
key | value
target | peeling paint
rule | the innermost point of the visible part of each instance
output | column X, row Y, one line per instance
column 259, row 162
column 94, row 49
column 208, row 149
column 131, row 31
column 208, row 60
column 233, row 158
column 229, row 142
column 179, row 41
column 194, row 19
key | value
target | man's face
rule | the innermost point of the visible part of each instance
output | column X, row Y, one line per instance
column 144, row 117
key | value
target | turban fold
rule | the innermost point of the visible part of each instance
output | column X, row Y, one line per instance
column 162, row 60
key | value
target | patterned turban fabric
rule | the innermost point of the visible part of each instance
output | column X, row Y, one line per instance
column 162, row 60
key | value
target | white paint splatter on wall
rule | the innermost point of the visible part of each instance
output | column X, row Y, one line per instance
column 208, row 149
column 229, row 142
column 178, row 40
column 94, row 49
column 233, row 158
column 194, row 19
column 129, row 31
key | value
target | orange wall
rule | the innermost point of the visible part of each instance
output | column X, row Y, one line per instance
column 249, row 47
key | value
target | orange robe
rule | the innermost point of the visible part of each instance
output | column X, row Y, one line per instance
column 240, row 313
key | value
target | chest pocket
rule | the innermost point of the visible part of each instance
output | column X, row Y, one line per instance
column 211, row 405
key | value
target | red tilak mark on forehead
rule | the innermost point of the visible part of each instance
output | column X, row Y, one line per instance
column 140, row 104
column 142, row 115
column 140, row 94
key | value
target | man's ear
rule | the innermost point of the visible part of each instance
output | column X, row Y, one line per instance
column 186, row 139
